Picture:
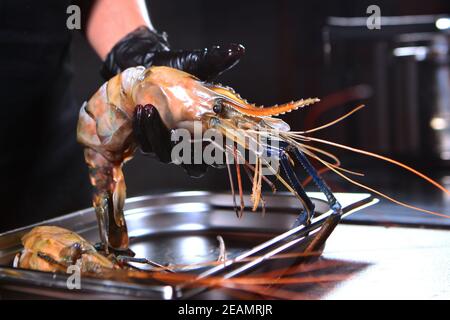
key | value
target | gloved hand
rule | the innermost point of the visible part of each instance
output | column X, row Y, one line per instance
column 147, row 48
column 144, row 47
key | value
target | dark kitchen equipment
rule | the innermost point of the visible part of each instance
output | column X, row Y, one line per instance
column 178, row 228
column 406, row 64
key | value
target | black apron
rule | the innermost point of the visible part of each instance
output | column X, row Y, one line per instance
column 43, row 174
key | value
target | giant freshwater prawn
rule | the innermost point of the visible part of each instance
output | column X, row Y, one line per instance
column 105, row 129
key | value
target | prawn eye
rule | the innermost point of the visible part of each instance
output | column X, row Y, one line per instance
column 217, row 108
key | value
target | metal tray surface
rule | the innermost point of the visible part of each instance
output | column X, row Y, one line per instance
column 176, row 228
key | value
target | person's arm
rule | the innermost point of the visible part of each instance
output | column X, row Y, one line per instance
column 110, row 20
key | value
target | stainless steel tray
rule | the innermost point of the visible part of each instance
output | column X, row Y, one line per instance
column 175, row 228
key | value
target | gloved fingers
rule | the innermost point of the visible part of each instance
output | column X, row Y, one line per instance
column 145, row 47
column 135, row 49
column 151, row 133
column 154, row 137
column 206, row 64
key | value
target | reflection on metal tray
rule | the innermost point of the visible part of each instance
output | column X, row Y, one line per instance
column 176, row 228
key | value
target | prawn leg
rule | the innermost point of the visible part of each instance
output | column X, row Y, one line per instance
column 334, row 204
column 286, row 152
column 306, row 214
column 318, row 241
column 128, row 259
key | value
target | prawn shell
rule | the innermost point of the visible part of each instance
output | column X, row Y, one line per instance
column 53, row 242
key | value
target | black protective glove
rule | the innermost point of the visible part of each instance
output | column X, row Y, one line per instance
column 154, row 138
column 147, row 48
